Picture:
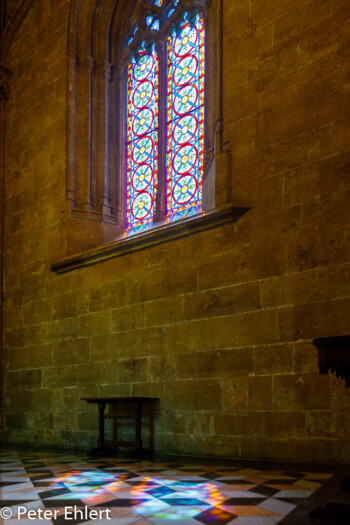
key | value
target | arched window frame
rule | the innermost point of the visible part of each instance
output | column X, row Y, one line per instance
column 92, row 226
column 168, row 24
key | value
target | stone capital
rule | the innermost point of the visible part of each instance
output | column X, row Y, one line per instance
column 108, row 69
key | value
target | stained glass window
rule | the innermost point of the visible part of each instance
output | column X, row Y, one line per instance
column 182, row 126
column 185, row 131
column 142, row 135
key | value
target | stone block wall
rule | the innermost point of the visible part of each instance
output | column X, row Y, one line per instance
column 217, row 325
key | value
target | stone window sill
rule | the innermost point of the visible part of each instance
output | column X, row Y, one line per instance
column 158, row 234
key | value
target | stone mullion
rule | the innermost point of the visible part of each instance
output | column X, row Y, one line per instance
column 162, row 135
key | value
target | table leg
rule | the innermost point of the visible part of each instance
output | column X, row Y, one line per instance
column 138, row 426
column 101, row 425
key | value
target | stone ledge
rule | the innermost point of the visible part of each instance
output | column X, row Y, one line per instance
column 156, row 235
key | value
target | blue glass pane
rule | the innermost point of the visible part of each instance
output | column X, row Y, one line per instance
column 184, row 213
column 155, row 25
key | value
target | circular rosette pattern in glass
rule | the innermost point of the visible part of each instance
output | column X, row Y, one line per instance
column 143, row 68
column 186, row 99
column 186, row 70
column 186, row 41
column 142, row 177
column 143, row 94
column 142, row 150
column 185, row 129
column 142, row 206
column 185, row 188
column 185, row 159
column 143, row 122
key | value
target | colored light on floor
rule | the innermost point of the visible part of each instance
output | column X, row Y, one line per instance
column 152, row 492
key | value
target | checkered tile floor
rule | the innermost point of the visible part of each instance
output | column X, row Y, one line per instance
column 68, row 488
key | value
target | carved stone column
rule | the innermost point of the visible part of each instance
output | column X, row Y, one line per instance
column 71, row 129
column 5, row 75
column 91, row 143
column 108, row 71
column 161, row 196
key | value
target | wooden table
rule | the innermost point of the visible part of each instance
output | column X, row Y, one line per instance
column 134, row 407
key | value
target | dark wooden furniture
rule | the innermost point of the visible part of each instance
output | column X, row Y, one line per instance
column 334, row 355
column 124, row 408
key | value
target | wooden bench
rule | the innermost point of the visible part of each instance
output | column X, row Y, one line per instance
column 124, row 408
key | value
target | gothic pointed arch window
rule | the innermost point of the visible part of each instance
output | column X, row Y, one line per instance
column 146, row 144
column 163, row 88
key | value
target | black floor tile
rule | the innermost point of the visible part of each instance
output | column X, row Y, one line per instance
column 61, row 503
column 54, row 492
column 239, row 501
column 215, row 515
column 126, row 502
column 265, row 491
column 8, row 483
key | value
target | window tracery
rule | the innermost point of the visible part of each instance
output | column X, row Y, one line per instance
column 163, row 50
